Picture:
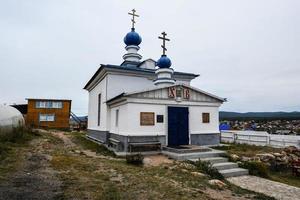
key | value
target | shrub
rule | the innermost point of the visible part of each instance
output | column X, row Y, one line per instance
column 255, row 168
column 135, row 159
column 207, row 168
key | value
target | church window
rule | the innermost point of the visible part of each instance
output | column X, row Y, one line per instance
column 99, row 108
column 205, row 118
column 117, row 117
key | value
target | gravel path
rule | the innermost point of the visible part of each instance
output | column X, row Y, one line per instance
column 271, row 188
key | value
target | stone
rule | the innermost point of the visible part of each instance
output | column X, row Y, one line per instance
column 245, row 159
column 184, row 170
column 198, row 174
column 293, row 157
column 218, row 183
column 265, row 157
column 256, row 159
column 77, row 151
column 290, row 149
column 277, row 154
column 234, row 157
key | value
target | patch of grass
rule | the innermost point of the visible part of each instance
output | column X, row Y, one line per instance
column 207, row 168
column 11, row 146
column 256, row 168
column 285, row 177
column 246, row 149
column 80, row 139
column 243, row 192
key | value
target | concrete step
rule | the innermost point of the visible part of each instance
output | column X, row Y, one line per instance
column 196, row 155
column 212, row 160
column 234, row 172
column 225, row 165
column 215, row 160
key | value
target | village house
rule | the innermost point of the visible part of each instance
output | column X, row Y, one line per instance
column 48, row 113
column 148, row 102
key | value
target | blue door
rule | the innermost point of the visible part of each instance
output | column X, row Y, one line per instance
column 178, row 126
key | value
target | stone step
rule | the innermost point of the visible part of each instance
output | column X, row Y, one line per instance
column 212, row 160
column 196, row 155
column 225, row 165
column 234, row 172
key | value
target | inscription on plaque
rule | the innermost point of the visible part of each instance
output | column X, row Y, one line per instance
column 147, row 118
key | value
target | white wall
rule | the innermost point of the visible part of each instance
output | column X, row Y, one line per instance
column 134, row 127
column 195, row 119
column 123, row 120
column 129, row 119
column 120, row 83
column 93, row 107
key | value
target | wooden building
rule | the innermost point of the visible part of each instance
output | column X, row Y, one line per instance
column 48, row 113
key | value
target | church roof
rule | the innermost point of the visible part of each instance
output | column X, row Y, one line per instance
column 133, row 68
column 220, row 99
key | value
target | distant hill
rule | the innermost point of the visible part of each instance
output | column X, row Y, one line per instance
column 259, row 115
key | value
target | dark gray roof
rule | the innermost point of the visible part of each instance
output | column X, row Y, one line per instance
column 133, row 67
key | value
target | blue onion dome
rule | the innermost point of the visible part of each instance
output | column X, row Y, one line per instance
column 132, row 38
column 164, row 62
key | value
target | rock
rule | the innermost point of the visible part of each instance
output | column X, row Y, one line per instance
column 77, row 151
column 186, row 165
column 266, row 157
column 218, row 183
column 256, row 159
column 290, row 149
column 293, row 157
column 277, row 154
column 184, row 170
column 234, row 157
column 198, row 174
column 283, row 153
column 245, row 159
column 173, row 167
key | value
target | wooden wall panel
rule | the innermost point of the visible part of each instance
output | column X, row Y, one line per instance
column 62, row 115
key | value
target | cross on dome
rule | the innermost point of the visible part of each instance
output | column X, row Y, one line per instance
column 133, row 15
column 164, row 39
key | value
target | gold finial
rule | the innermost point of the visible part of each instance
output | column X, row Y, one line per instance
column 164, row 39
column 133, row 16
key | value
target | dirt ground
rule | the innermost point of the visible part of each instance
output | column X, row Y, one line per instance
column 35, row 179
column 60, row 165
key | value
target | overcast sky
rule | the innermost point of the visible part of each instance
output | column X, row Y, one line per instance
column 246, row 51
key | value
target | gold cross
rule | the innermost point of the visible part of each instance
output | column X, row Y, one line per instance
column 133, row 15
column 164, row 39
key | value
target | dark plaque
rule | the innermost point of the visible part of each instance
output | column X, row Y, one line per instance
column 147, row 118
column 159, row 118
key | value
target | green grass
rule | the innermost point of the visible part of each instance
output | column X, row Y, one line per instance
column 11, row 145
column 138, row 182
column 285, row 177
column 80, row 139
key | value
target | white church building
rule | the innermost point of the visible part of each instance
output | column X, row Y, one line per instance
column 144, row 102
